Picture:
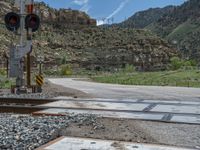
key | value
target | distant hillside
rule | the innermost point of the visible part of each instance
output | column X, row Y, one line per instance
column 179, row 25
column 74, row 36
column 144, row 18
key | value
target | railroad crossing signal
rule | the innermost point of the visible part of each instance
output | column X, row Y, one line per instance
column 12, row 21
column 24, row 21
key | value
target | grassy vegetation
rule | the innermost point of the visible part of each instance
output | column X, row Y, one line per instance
column 4, row 82
column 182, row 78
column 182, row 31
column 183, row 73
column 60, row 71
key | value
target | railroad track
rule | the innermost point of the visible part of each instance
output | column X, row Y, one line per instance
column 22, row 105
column 152, row 110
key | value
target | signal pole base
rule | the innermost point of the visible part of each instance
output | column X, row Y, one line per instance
column 21, row 91
column 39, row 89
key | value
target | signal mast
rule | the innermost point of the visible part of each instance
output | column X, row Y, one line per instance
column 25, row 23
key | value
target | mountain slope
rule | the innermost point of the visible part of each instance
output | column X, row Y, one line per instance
column 144, row 18
column 178, row 24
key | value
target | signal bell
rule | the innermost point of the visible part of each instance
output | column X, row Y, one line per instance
column 12, row 21
column 32, row 21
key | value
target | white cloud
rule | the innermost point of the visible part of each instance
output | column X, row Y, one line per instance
column 80, row 2
column 100, row 22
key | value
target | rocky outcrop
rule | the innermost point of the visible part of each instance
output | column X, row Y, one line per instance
column 64, row 16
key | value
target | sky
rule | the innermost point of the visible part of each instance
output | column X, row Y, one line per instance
column 111, row 11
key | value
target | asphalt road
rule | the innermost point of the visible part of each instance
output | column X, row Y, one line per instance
column 114, row 91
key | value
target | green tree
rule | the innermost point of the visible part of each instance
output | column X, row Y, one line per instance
column 176, row 63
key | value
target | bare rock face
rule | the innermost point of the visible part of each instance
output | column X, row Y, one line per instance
column 66, row 16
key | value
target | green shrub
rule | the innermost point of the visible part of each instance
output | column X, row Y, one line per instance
column 66, row 70
column 129, row 68
column 192, row 63
column 3, row 72
column 51, row 72
column 176, row 63
column 64, row 60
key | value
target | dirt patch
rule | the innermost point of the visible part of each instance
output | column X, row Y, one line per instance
column 57, row 90
column 113, row 129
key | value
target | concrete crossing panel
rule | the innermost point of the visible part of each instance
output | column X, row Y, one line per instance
column 72, row 143
column 98, row 105
column 177, row 109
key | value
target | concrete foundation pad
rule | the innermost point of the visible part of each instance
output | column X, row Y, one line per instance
column 72, row 143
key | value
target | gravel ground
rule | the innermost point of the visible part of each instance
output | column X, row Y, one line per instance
column 24, row 132
column 181, row 135
column 185, row 135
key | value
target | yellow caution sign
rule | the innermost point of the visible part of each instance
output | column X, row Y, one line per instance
column 39, row 80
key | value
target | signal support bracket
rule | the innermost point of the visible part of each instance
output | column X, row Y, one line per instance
column 21, row 51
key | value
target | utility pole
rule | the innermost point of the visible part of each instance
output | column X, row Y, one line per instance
column 28, row 57
column 20, row 81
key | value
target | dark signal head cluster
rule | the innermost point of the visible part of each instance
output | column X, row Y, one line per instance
column 12, row 21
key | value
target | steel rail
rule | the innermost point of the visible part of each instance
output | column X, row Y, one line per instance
column 33, row 101
column 39, row 107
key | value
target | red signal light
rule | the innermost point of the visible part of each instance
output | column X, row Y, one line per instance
column 32, row 21
column 29, row 8
column 12, row 21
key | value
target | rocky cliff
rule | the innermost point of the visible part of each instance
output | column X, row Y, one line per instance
column 65, row 16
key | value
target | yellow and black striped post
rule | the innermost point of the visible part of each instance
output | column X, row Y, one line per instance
column 39, row 82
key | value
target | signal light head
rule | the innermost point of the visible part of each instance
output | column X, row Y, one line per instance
column 12, row 21
column 32, row 21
